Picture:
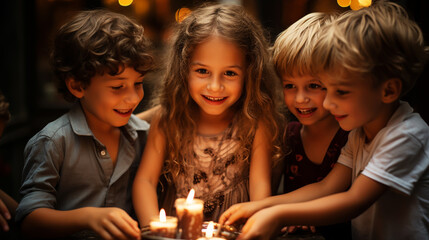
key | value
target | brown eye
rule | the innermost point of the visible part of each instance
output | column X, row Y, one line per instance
column 202, row 71
column 288, row 86
column 231, row 73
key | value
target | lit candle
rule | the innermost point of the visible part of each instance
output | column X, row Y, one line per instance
column 163, row 226
column 190, row 214
column 209, row 233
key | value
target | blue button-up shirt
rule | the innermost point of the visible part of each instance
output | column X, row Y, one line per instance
column 66, row 167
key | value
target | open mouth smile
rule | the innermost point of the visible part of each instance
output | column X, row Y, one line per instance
column 124, row 112
column 305, row 111
column 215, row 99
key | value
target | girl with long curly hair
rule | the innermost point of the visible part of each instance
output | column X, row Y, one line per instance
column 218, row 127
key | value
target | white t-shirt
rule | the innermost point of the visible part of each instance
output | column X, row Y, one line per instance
column 397, row 157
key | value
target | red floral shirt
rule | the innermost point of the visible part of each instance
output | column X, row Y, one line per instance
column 299, row 170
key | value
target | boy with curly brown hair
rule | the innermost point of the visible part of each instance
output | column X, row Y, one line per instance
column 79, row 169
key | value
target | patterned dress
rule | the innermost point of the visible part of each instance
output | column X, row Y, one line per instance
column 215, row 173
column 300, row 171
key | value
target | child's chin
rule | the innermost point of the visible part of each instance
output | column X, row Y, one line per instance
column 346, row 128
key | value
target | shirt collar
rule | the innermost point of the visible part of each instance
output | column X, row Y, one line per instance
column 80, row 126
column 78, row 121
column 403, row 111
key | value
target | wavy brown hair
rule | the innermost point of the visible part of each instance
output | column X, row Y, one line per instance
column 259, row 99
column 98, row 41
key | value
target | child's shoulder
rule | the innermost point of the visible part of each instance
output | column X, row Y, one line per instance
column 405, row 124
column 53, row 128
column 63, row 126
column 406, row 121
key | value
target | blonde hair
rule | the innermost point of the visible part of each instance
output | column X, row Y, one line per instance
column 293, row 47
column 258, row 101
column 379, row 42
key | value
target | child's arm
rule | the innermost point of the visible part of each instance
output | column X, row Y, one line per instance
column 7, row 210
column 337, row 180
column 144, row 188
column 260, row 165
column 327, row 210
column 108, row 223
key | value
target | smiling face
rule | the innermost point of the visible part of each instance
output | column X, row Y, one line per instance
column 304, row 97
column 109, row 101
column 354, row 102
column 216, row 75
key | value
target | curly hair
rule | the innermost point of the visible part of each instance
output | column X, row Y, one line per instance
column 378, row 42
column 97, row 42
column 261, row 91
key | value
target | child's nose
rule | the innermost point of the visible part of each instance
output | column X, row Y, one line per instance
column 301, row 97
column 327, row 103
column 215, row 84
column 134, row 96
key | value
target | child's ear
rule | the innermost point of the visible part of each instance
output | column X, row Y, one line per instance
column 75, row 87
column 392, row 89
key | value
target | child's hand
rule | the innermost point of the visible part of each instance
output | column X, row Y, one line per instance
column 262, row 225
column 239, row 211
column 113, row 223
column 4, row 216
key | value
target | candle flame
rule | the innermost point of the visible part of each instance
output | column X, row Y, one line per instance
column 209, row 231
column 162, row 217
column 190, row 196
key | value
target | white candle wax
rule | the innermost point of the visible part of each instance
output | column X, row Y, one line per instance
column 190, row 214
column 163, row 226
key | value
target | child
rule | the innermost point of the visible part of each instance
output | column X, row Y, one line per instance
column 371, row 58
column 217, row 126
column 7, row 203
column 79, row 169
column 316, row 139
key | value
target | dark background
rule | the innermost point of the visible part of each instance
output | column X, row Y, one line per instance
column 27, row 80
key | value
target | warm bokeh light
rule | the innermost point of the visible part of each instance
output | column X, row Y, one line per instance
column 365, row 3
column 354, row 5
column 182, row 13
column 125, row 3
column 141, row 7
column 109, row 2
column 343, row 3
